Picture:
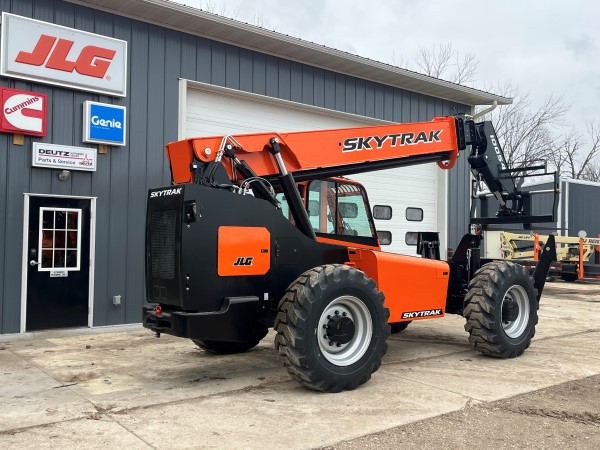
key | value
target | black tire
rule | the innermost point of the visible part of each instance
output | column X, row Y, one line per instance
column 229, row 348
column 495, row 327
column 309, row 304
column 569, row 277
column 397, row 327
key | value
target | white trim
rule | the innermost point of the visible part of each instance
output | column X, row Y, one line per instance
column 77, row 268
column 92, row 261
column 558, row 209
column 82, row 197
column 585, row 182
column 24, row 263
column 234, row 93
column 25, row 255
column 182, row 110
column 566, row 207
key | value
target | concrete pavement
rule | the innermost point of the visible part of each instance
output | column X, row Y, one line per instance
column 123, row 387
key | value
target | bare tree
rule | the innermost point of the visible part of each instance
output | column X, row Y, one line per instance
column 212, row 7
column 433, row 61
column 574, row 156
column 592, row 173
column 444, row 62
column 526, row 133
column 465, row 68
column 260, row 20
column 401, row 61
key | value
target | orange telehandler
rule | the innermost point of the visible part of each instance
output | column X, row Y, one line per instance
column 263, row 230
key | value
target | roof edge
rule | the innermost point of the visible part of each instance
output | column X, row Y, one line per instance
column 376, row 71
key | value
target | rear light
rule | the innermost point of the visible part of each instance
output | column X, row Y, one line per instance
column 475, row 229
column 158, row 310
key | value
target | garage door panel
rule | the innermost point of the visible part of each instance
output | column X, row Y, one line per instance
column 217, row 112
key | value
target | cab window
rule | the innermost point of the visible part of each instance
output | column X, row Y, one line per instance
column 339, row 208
column 285, row 209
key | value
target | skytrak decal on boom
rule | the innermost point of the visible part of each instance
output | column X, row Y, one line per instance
column 395, row 140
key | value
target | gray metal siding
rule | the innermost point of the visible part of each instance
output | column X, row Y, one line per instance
column 158, row 57
column 584, row 213
column 544, row 204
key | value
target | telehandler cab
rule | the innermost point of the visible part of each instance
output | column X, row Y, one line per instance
column 262, row 230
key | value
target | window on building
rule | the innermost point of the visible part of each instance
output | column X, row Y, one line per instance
column 59, row 238
column 385, row 237
column 414, row 214
column 411, row 238
column 382, row 212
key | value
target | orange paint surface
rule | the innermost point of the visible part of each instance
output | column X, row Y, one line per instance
column 244, row 251
column 409, row 283
column 325, row 148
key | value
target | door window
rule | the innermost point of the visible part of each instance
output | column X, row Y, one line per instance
column 339, row 208
column 59, row 239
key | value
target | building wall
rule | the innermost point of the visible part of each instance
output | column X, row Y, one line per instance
column 584, row 213
column 158, row 57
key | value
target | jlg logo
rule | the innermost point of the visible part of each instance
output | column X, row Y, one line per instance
column 53, row 53
column 241, row 261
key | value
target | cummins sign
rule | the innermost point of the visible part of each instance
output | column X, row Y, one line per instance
column 53, row 54
column 23, row 112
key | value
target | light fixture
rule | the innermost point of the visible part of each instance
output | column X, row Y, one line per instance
column 64, row 175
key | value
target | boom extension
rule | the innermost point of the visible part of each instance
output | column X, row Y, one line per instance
column 329, row 152
column 488, row 165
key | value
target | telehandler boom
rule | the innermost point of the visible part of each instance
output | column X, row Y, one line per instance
column 262, row 230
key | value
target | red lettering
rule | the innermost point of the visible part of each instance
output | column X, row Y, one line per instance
column 87, row 64
column 39, row 54
column 93, row 61
column 58, row 58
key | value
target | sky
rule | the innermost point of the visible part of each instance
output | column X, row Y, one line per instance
column 545, row 48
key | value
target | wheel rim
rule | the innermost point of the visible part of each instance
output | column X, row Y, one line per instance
column 348, row 353
column 517, row 295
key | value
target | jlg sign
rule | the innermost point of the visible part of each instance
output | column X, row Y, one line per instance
column 53, row 54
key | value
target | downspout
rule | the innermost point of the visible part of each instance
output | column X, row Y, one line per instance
column 485, row 111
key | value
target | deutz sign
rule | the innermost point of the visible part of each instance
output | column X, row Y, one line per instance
column 53, row 54
column 54, row 156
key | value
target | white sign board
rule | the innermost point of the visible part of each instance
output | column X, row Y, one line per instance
column 58, row 273
column 53, row 54
column 63, row 157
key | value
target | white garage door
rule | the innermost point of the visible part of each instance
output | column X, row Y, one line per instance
column 206, row 110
